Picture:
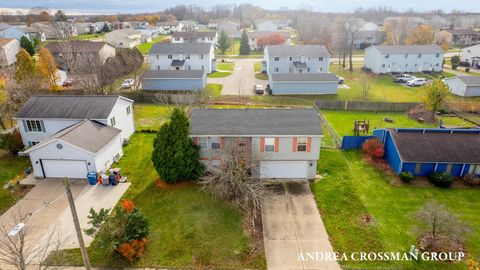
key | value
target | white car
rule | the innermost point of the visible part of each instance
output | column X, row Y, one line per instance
column 417, row 82
column 258, row 89
column 128, row 83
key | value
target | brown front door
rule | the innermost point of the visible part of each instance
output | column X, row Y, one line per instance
column 243, row 150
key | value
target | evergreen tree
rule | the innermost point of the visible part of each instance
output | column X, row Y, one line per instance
column 28, row 45
column 60, row 16
column 105, row 28
column 244, row 47
column 175, row 157
column 224, row 42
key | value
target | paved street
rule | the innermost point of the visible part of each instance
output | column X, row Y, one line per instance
column 242, row 80
column 292, row 226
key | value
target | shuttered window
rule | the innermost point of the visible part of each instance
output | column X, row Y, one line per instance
column 269, row 144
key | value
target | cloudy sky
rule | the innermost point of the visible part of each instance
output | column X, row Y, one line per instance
column 132, row 6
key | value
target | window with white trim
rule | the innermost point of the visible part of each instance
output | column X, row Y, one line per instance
column 129, row 110
column 387, row 56
column 320, row 59
column 215, row 142
column 419, row 55
column 301, row 144
column 269, row 144
column 112, row 121
column 203, row 143
column 170, row 56
column 276, row 59
column 187, row 56
column 32, row 143
column 474, row 169
column 34, row 125
column 201, row 56
column 275, row 69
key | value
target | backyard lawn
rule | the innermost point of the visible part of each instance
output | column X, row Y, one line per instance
column 343, row 121
column 362, row 211
column 10, row 167
column 219, row 74
column 150, row 116
column 188, row 227
column 213, row 90
column 89, row 36
column 144, row 48
column 235, row 49
column 226, row 66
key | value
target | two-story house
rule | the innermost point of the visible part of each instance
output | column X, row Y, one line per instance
column 124, row 38
column 195, row 37
column 471, row 55
column 461, row 37
column 299, row 69
column 69, row 136
column 257, row 40
column 179, row 66
column 278, row 143
column 169, row 27
column 9, row 48
column 404, row 58
column 148, row 32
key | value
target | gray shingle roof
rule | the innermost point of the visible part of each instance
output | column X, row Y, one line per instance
column 75, row 46
column 255, row 122
column 168, row 23
column 173, row 74
column 409, row 48
column 194, row 34
column 89, row 135
column 470, row 80
column 68, row 107
column 437, row 147
column 177, row 48
column 307, row 77
column 297, row 50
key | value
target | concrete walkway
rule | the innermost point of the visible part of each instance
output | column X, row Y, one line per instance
column 242, row 79
column 292, row 226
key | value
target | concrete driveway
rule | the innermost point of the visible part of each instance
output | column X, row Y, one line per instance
column 51, row 213
column 292, row 226
column 242, row 80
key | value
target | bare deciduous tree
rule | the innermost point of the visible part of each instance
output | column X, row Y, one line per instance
column 352, row 26
column 365, row 85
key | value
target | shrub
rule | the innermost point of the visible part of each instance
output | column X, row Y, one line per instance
column 441, row 179
column 406, row 177
column 471, row 180
column 133, row 250
column 373, row 148
column 467, row 69
column 11, row 142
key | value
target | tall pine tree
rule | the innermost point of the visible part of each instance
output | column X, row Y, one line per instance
column 28, row 45
column 175, row 157
column 244, row 47
column 224, row 42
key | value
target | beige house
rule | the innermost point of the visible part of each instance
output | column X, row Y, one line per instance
column 460, row 37
column 9, row 48
column 124, row 38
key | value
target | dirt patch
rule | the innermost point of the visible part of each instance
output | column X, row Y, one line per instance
column 419, row 113
column 297, row 188
column 367, row 219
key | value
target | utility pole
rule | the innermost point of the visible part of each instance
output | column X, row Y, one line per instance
column 86, row 260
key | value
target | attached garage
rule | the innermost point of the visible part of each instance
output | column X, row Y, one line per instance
column 284, row 169
column 58, row 168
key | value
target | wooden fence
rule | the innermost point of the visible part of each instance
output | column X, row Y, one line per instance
column 365, row 105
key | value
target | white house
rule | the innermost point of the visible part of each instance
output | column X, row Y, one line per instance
column 124, row 38
column 194, row 36
column 277, row 143
column 148, row 32
column 471, row 55
column 232, row 29
column 404, row 58
column 169, row 27
column 9, row 48
column 182, row 56
column 465, row 86
column 269, row 25
column 68, row 136
column 256, row 36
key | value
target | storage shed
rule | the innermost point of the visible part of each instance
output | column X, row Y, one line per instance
column 303, row 83
column 178, row 80
column 465, row 86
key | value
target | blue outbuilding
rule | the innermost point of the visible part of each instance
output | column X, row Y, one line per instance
column 174, row 80
column 424, row 151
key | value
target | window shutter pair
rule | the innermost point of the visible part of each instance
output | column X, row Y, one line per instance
column 222, row 143
column 295, row 142
column 262, row 144
column 277, row 144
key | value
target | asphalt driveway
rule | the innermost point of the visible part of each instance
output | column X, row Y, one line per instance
column 51, row 213
column 292, row 226
column 242, row 80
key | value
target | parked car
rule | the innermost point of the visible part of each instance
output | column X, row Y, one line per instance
column 341, row 80
column 128, row 83
column 402, row 78
column 417, row 82
column 258, row 89
column 67, row 83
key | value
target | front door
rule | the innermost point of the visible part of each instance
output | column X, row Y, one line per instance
column 243, row 150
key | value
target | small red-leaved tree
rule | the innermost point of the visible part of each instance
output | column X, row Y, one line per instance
column 272, row 39
column 373, row 148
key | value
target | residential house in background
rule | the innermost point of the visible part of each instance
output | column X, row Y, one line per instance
column 8, row 31
column 85, row 28
column 366, row 38
column 424, row 151
column 70, row 136
column 299, row 69
column 34, row 32
column 276, row 143
column 189, row 25
column 269, row 25
column 461, row 37
column 404, row 58
column 9, row 48
column 195, row 36
column 148, row 32
column 79, row 53
column 471, row 55
column 257, row 38
column 169, row 27
column 232, row 29
column 123, row 38
column 179, row 66
column 465, row 86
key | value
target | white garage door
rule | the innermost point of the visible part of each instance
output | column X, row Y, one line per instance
column 283, row 169
column 65, row 168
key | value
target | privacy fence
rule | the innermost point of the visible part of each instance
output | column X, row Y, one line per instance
column 365, row 105
column 354, row 142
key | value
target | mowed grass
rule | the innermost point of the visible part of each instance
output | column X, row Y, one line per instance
column 144, row 48
column 89, row 36
column 150, row 116
column 343, row 121
column 235, row 50
column 10, row 167
column 227, row 66
column 351, row 188
column 213, row 90
column 188, row 227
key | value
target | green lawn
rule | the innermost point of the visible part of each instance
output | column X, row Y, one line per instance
column 150, row 116
column 235, row 50
column 144, row 48
column 226, row 66
column 343, row 121
column 219, row 74
column 10, row 167
column 188, row 227
column 213, row 89
column 352, row 189
column 89, row 36
column 257, row 67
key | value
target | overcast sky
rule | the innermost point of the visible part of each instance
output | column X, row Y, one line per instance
column 133, row 6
